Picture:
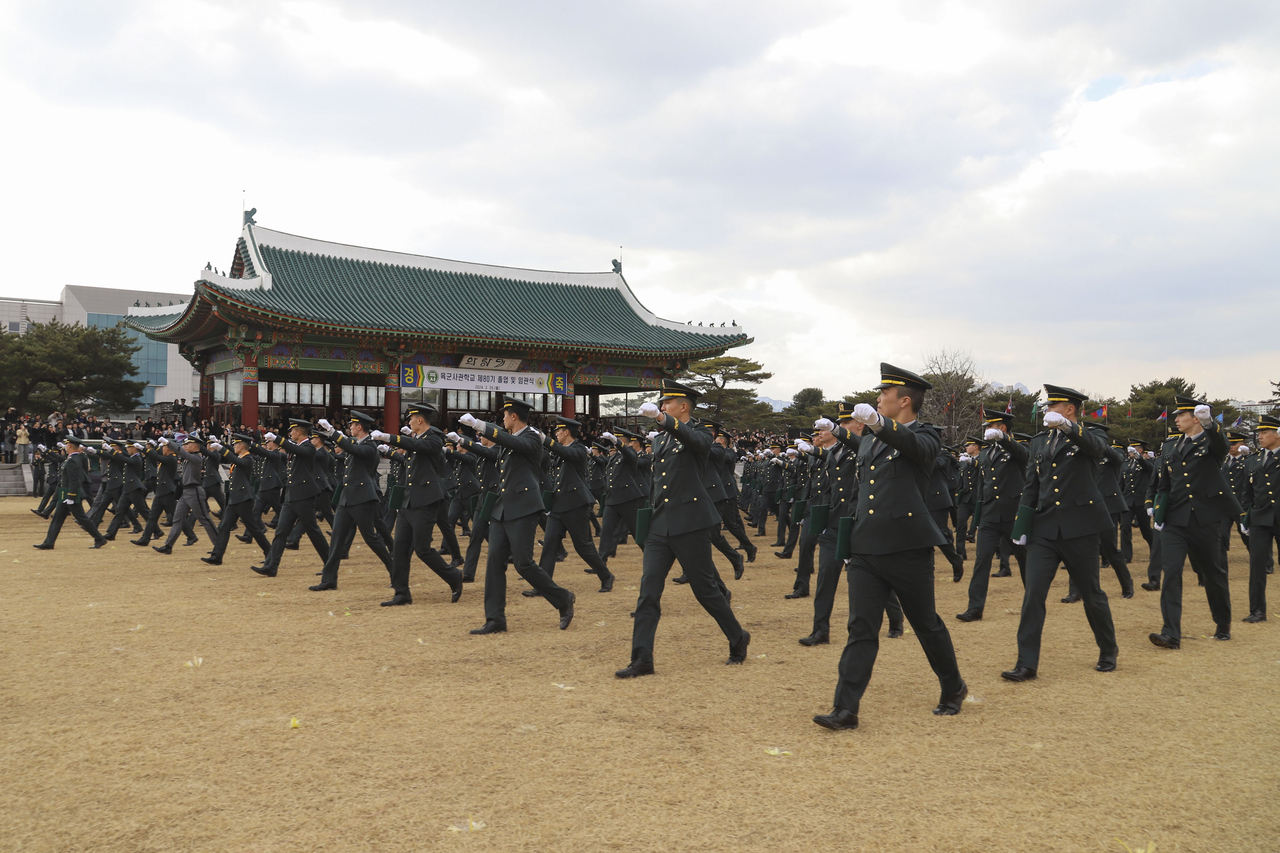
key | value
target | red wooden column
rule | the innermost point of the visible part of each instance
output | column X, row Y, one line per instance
column 567, row 407
column 391, row 406
column 249, row 392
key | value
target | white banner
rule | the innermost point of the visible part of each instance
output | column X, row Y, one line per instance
column 420, row 376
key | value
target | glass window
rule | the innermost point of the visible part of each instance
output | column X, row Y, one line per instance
column 320, row 394
column 235, row 386
column 581, row 405
column 452, row 397
column 382, row 396
column 291, row 392
column 347, row 391
column 304, row 394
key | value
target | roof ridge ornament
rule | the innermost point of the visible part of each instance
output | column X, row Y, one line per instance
column 248, row 216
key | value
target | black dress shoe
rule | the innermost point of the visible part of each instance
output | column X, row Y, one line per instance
column 895, row 633
column 738, row 651
column 323, row 587
column 1071, row 598
column 751, row 552
column 681, row 579
column 970, row 616
column 635, row 670
column 957, row 571
column 606, row 582
column 783, row 554
column 193, row 540
column 531, row 593
column 264, row 571
column 1164, row 641
column 815, row 639
column 162, row 549
column 1106, row 664
column 99, row 544
column 1019, row 673
column 950, row 705
column 457, row 563
column 245, row 538
column 1255, row 617
column 397, row 600
column 1222, row 635
column 1106, row 564
column 43, row 547
column 213, row 561
column 797, row 593
column 739, row 566
column 111, row 537
column 36, row 512
column 455, row 591
column 1127, row 592
column 566, row 615
column 838, row 720
column 490, row 628
column 291, row 546
column 468, row 578
column 141, row 542
column 1151, row 586
column 1003, row 573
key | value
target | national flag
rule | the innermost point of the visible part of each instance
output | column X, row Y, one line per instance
column 1130, row 411
column 1239, row 421
column 1219, row 417
column 1164, row 416
column 1101, row 413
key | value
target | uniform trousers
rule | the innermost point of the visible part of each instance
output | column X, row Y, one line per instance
column 346, row 520
column 577, row 523
column 1203, row 545
column 479, row 533
column 830, row 567
column 459, row 511
column 1155, row 564
column 1261, row 540
column 512, row 540
column 50, row 495
column 873, row 579
column 293, row 513
column 1112, row 555
column 241, row 511
column 619, row 520
column 213, row 492
column 37, row 479
column 267, row 499
column 101, row 500
column 1138, row 514
column 191, row 501
column 964, row 521
column 76, row 511
column 163, row 505
column 942, row 517
column 415, row 527
column 991, row 535
column 448, row 538
column 768, row 505
column 784, row 523
column 129, row 503
column 732, row 521
column 793, row 533
column 693, row 550
column 808, row 545
column 1079, row 556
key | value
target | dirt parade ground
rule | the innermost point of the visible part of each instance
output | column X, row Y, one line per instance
column 156, row 703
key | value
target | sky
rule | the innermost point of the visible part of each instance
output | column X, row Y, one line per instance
column 1086, row 194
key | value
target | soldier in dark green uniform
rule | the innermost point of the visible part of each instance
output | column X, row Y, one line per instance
column 1197, row 499
column 74, row 480
column 1067, row 514
column 892, row 545
column 1135, row 477
column 303, row 481
column 1236, row 470
column 570, row 509
column 967, row 495
column 1260, row 521
column 240, row 496
column 681, row 527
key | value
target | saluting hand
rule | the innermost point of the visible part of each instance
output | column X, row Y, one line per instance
column 992, row 434
column 379, row 435
column 1055, row 420
column 1203, row 415
column 824, row 423
column 649, row 410
column 453, row 436
column 866, row 414
column 404, row 430
column 469, row 420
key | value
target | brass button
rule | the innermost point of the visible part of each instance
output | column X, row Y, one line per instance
column 871, row 512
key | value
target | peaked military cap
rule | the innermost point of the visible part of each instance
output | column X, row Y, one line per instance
column 1021, row 436
column 1185, row 404
column 674, row 390
column 1063, row 394
column 299, row 422
column 239, row 436
column 775, row 446
column 1138, row 442
column 193, row 439
column 71, row 439
column 361, row 418
column 1102, row 427
column 426, row 410
column 520, row 407
column 1268, row 422
column 997, row 417
column 568, row 423
column 845, row 412
column 1235, row 436
column 896, row 377
column 602, row 445
column 968, row 439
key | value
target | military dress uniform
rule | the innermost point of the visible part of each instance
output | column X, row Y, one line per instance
column 818, row 495
column 891, row 547
column 722, row 457
column 304, row 480
column 190, row 502
column 165, row 498
column 681, row 529
column 133, row 495
column 1198, row 499
column 1135, row 477
column 109, row 486
column 966, row 500
column 1155, row 566
column 1110, row 486
column 490, row 475
column 1001, row 472
column 1261, row 520
column 271, row 480
column 570, row 510
column 625, row 497
column 513, row 524
column 53, row 460
column 1068, row 515
column 74, row 479
column 466, row 473
column 716, row 491
column 1236, row 471
column 357, row 505
column 239, row 504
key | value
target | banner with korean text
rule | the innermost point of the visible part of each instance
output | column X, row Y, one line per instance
column 423, row 376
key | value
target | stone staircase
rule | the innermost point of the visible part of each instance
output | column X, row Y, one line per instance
column 12, row 481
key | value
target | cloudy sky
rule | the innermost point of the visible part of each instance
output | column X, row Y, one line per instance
column 1083, row 193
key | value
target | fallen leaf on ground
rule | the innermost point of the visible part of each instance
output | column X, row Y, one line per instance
column 467, row 826
column 773, row 750
column 294, row 724
column 562, row 686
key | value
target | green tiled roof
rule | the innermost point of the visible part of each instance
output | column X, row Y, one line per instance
column 340, row 289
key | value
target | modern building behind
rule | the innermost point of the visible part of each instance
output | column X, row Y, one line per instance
column 168, row 375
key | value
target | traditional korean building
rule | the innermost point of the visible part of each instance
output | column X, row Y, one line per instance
column 312, row 328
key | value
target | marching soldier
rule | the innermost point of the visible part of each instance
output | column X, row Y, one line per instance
column 571, row 508
column 892, row 545
column 818, row 495
column 270, row 481
column 1236, row 470
column 1198, row 498
column 513, row 525
column 1155, row 566
column 53, row 457
column 730, row 517
column 466, row 471
column 1001, row 472
column 191, row 494
column 304, row 480
column 1260, row 522
column 967, row 496
column 680, row 529
column 490, row 476
column 74, row 478
column 133, row 496
column 1068, row 514
column 1136, row 477
column 240, row 499
column 625, row 496
column 166, row 494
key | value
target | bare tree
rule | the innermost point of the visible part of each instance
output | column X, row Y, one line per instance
column 954, row 403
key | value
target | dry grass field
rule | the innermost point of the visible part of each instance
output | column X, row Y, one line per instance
column 148, row 704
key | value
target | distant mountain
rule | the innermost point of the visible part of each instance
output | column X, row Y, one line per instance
column 778, row 405
column 1017, row 386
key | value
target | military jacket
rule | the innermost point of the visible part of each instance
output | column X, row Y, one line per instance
column 1261, row 488
column 192, row 466
column 126, row 470
column 1109, row 474
column 570, row 475
column 679, row 496
column 1002, row 470
column 1134, row 479
column 938, row 496
column 272, row 474
column 773, row 475
column 488, row 470
column 360, row 478
column 166, row 472
column 967, row 482
column 1191, row 474
column 465, row 473
column 240, row 485
column 520, row 459
column 424, row 484
column 622, row 478
column 895, row 472
column 842, row 477
column 599, row 462
column 1062, row 484
column 75, row 477
column 728, row 463
column 304, row 478
column 1236, row 470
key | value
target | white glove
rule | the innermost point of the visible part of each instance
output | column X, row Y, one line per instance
column 824, row 423
column 777, row 461
column 993, row 434
column 1053, row 419
column 1202, row 415
column 269, row 436
column 213, row 445
column 453, row 436
column 649, row 410
column 653, row 433
column 866, row 414
column 163, row 441
column 768, row 454
column 792, row 452
column 805, row 447
column 325, row 425
column 40, row 447
column 1244, row 530
column 468, row 419
column 1151, row 513
column 384, row 449
column 91, row 450
column 1133, row 451
column 479, row 426
column 379, row 435
column 1155, row 526
column 405, row 431
column 610, row 437
column 1021, row 540
column 1151, row 454
column 1244, row 450
column 965, row 457
column 68, row 502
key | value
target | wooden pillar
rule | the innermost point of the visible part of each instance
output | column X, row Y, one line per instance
column 593, row 405
column 567, row 406
column 391, row 407
column 205, row 405
column 249, row 393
